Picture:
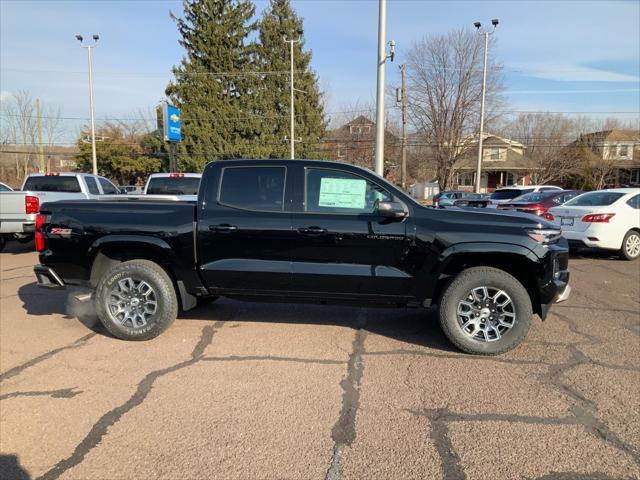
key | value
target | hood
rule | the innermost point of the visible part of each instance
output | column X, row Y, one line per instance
column 486, row 217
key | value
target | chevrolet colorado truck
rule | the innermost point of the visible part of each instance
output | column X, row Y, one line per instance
column 305, row 231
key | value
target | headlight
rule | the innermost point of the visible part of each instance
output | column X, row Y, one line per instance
column 545, row 236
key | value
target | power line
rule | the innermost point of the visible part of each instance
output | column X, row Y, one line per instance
column 248, row 117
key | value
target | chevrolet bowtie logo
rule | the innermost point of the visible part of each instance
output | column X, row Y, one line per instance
column 174, row 118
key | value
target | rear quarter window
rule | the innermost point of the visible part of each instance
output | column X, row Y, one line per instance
column 53, row 184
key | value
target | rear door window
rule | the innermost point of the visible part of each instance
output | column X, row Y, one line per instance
column 253, row 188
column 53, row 183
column 92, row 185
column 634, row 202
column 107, row 187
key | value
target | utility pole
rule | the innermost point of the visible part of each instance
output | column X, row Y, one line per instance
column 292, row 126
column 89, row 47
column 403, row 102
column 40, row 147
column 486, row 34
column 381, row 61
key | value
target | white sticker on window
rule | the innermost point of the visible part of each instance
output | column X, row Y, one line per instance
column 342, row 193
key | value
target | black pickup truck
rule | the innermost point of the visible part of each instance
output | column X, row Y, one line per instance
column 310, row 231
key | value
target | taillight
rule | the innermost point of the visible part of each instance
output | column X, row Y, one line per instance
column 535, row 209
column 549, row 216
column 39, row 238
column 176, row 175
column 598, row 217
column 52, row 174
column 31, row 204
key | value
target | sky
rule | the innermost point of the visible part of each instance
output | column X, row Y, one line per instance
column 563, row 56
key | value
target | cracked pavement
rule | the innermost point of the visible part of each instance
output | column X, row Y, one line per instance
column 252, row 391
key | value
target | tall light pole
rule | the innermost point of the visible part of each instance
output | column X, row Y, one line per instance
column 292, row 126
column 381, row 61
column 486, row 34
column 89, row 47
column 401, row 97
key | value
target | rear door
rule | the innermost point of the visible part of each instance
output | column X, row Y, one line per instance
column 343, row 247
column 244, row 230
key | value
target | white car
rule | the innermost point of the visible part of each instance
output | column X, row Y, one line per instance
column 607, row 219
column 506, row 194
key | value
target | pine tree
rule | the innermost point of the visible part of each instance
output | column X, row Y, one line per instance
column 280, row 22
column 214, row 83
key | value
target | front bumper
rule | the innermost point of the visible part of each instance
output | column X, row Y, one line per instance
column 47, row 277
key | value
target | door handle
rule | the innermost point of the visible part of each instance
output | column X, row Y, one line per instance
column 223, row 228
column 312, row 231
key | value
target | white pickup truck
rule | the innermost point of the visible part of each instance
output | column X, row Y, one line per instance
column 18, row 209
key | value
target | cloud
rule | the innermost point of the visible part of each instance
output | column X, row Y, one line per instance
column 567, row 72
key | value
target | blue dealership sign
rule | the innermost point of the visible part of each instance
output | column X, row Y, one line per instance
column 172, row 122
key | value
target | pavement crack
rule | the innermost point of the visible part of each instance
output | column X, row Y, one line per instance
column 272, row 358
column 343, row 432
column 100, row 428
column 12, row 372
column 456, row 356
column 62, row 393
column 450, row 461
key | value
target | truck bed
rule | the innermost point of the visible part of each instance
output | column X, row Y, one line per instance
column 89, row 226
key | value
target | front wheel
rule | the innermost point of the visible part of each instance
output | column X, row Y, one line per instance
column 485, row 311
column 136, row 300
column 630, row 246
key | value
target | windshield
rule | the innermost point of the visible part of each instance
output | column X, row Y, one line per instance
column 534, row 197
column 173, row 186
column 509, row 193
column 594, row 199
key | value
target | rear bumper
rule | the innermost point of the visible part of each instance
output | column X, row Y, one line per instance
column 592, row 238
column 47, row 277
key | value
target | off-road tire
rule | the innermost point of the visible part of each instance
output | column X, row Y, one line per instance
column 624, row 254
column 490, row 277
column 158, row 279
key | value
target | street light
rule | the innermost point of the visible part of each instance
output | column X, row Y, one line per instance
column 486, row 34
column 89, row 47
column 381, row 61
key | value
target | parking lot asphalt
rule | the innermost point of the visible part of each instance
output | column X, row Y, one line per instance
column 250, row 391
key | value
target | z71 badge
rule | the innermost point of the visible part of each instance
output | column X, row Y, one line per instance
column 63, row 232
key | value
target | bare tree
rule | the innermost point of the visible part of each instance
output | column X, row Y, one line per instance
column 546, row 136
column 444, row 75
column 19, row 127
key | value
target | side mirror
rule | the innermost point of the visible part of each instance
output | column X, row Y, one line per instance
column 392, row 210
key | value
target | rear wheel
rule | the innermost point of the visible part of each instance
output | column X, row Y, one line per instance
column 630, row 245
column 485, row 311
column 136, row 300
column 3, row 242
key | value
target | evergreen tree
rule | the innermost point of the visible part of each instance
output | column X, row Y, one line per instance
column 214, row 83
column 280, row 22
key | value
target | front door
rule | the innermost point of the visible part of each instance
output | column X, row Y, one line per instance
column 343, row 246
column 244, row 232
